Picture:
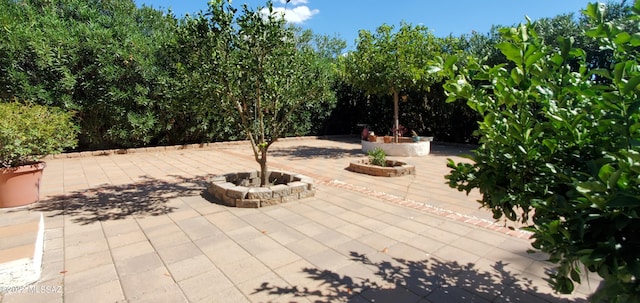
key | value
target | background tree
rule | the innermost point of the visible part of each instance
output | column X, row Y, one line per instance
column 137, row 76
column 560, row 150
column 94, row 57
column 265, row 78
column 388, row 62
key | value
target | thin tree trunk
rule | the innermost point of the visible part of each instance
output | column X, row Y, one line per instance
column 264, row 171
column 396, row 120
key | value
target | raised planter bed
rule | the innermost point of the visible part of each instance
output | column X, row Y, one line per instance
column 405, row 148
column 392, row 169
column 243, row 189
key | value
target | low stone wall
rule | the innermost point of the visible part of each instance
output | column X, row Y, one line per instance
column 393, row 168
column 405, row 148
column 243, row 189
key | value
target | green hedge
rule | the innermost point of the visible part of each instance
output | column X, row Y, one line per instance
column 138, row 76
column 29, row 132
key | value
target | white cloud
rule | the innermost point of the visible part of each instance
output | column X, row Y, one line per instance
column 297, row 14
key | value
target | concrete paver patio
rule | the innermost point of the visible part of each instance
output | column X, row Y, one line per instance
column 137, row 228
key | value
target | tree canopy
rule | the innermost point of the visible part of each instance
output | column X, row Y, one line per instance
column 392, row 63
column 560, row 147
column 135, row 76
column 266, row 79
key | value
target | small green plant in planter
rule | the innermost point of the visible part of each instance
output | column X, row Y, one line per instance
column 28, row 133
column 377, row 157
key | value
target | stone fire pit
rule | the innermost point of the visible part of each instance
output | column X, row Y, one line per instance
column 392, row 169
column 243, row 189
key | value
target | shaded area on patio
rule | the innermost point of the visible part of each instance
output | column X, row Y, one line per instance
column 402, row 280
column 305, row 152
column 116, row 202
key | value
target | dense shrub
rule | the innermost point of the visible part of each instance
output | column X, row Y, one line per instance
column 29, row 132
column 137, row 76
column 134, row 76
column 560, row 148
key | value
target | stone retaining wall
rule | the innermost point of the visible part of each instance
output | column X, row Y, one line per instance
column 393, row 168
column 243, row 189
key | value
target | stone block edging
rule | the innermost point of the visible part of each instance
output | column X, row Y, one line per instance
column 243, row 189
column 393, row 168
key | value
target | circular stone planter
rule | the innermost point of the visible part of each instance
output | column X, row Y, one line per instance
column 405, row 148
column 393, row 168
column 243, row 189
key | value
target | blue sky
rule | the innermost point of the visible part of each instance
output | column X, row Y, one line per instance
column 345, row 18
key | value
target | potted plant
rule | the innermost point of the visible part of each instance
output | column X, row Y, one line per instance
column 372, row 137
column 28, row 133
column 414, row 136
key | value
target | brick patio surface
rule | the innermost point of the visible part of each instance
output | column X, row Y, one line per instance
column 137, row 227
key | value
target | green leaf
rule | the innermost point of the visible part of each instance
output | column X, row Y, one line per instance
column 511, row 51
column 635, row 39
column 631, row 85
column 622, row 38
column 623, row 181
column 565, row 285
column 601, row 72
column 557, row 59
column 578, row 53
column 517, row 74
column 575, row 275
column 490, row 119
column 605, row 172
column 534, row 57
column 451, row 60
column 588, row 187
column 618, row 72
column 565, row 46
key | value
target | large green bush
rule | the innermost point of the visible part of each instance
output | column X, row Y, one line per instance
column 29, row 132
column 135, row 76
column 560, row 148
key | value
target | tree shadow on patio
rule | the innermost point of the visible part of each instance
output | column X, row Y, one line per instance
column 306, row 152
column 150, row 197
column 401, row 280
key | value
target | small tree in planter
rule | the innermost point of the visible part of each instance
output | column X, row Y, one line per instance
column 267, row 77
column 392, row 62
column 28, row 133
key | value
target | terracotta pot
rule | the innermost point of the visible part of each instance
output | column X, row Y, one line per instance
column 373, row 138
column 388, row 139
column 20, row 185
